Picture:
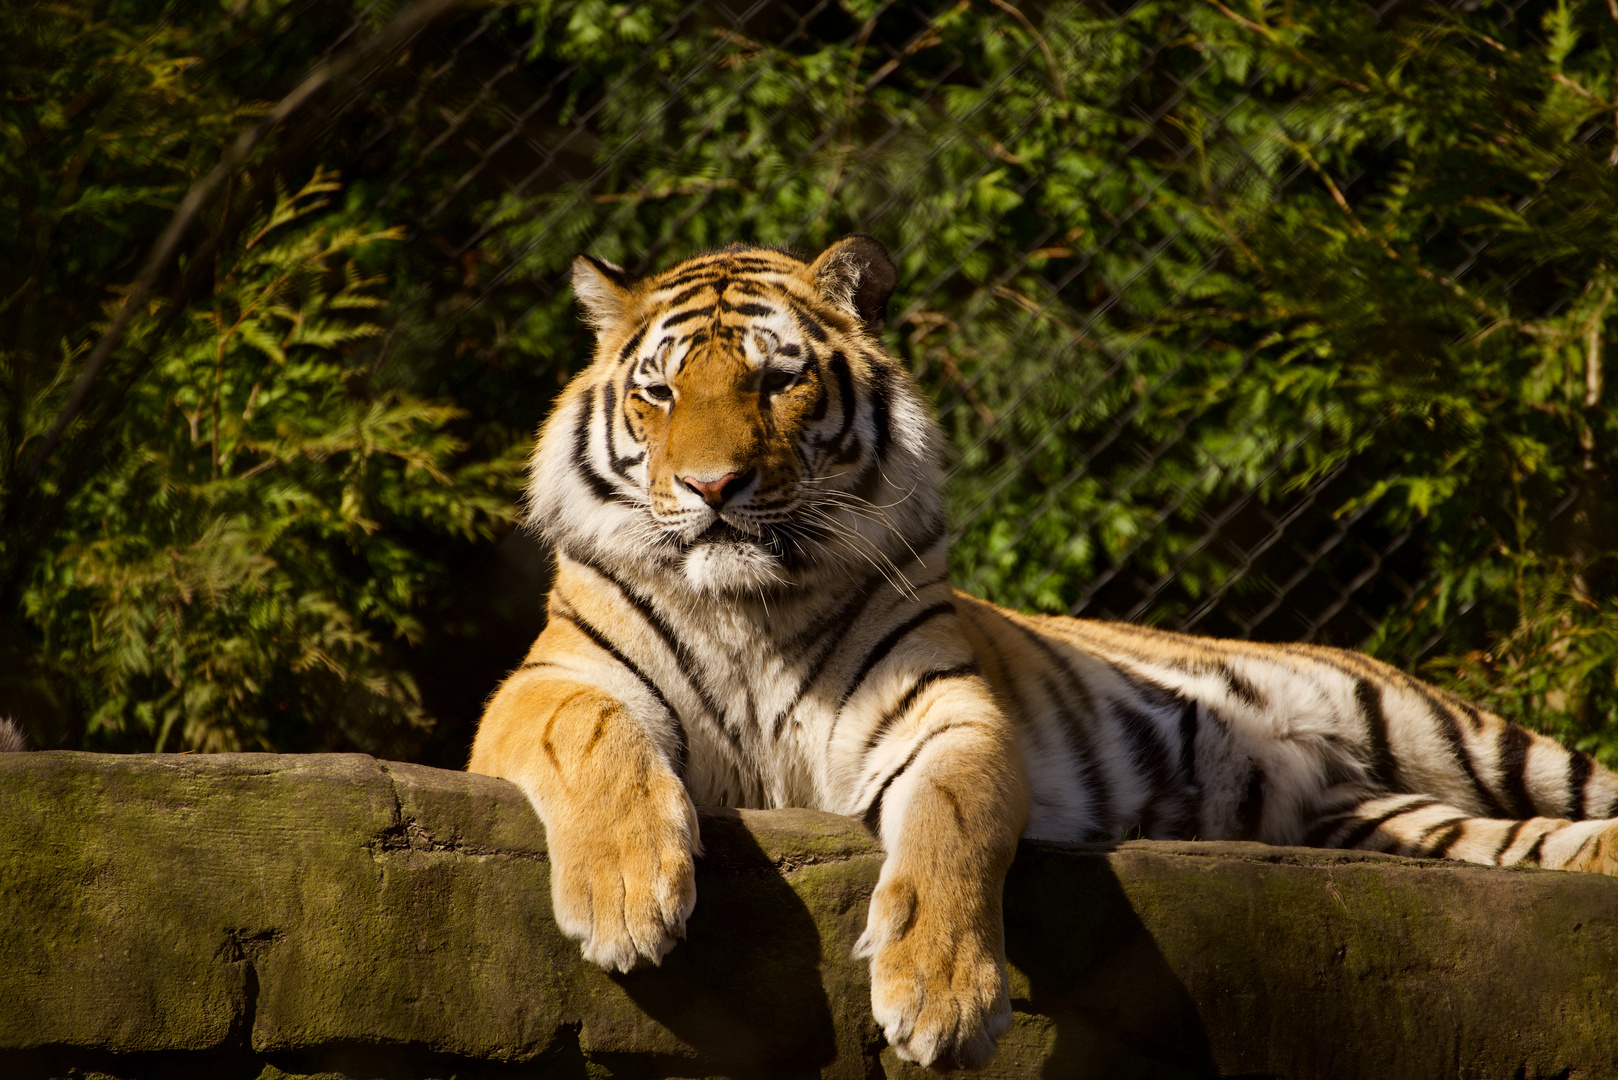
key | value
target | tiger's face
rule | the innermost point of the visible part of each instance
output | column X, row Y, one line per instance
column 741, row 422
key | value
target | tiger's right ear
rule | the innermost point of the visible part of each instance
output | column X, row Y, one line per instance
column 856, row 275
column 603, row 289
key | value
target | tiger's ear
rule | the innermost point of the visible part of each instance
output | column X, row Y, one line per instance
column 603, row 289
column 856, row 275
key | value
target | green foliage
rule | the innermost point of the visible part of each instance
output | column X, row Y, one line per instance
column 1476, row 402
column 1167, row 275
column 1162, row 268
column 246, row 545
column 245, row 553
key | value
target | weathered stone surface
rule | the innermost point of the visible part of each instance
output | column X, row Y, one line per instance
column 261, row 916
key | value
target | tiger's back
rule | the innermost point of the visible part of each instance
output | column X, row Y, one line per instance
column 752, row 606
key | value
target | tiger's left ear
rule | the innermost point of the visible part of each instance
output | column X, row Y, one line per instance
column 603, row 290
column 856, row 275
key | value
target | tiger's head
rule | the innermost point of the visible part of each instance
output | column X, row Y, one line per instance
column 741, row 424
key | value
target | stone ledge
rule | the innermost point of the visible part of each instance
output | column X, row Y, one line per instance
column 263, row 916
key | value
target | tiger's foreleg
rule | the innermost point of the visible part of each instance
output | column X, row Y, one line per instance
column 1425, row 827
column 620, row 828
column 949, row 799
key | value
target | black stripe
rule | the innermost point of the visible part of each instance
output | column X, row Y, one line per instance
column 701, row 274
column 810, row 324
column 872, row 814
column 687, row 661
column 1328, row 657
column 1251, row 810
column 1452, row 734
column 609, row 408
column 1241, row 689
column 747, row 309
column 881, row 414
column 1341, row 762
column 1323, row 828
column 1091, row 769
column 832, row 618
column 1019, row 713
column 632, row 344
column 572, row 616
column 845, row 390
column 686, row 295
column 1434, row 827
column 820, row 633
column 665, row 342
column 696, row 277
column 1533, row 852
column 622, row 465
column 1578, row 777
column 1149, row 752
column 1021, row 716
column 1369, row 696
column 1441, row 847
column 1156, row 695
column 930, row 533
column 1580, row 849
column 1363, row 831
column 885, row 646
column 1189, row 724
column 817, row 411
column 917, row 688
column 1511, row 838
column 686, row 316
column 581, row 452
column 615, row 274
column 1513, row 754
column 851, row 451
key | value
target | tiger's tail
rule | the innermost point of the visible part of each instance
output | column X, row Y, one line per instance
column 1425, row 827
column 1504, row 796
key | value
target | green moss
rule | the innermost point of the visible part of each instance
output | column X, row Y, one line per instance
column 313, row 915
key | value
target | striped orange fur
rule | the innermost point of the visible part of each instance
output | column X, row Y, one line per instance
column 752, row 607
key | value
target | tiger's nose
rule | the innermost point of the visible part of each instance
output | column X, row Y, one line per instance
column 716, row 492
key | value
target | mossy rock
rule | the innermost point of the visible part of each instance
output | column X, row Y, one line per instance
column 265, row 917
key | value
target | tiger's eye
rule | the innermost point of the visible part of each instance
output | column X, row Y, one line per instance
column 658, row 392
column 776, row 381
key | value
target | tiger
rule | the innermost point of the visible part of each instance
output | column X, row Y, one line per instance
column 752, row 607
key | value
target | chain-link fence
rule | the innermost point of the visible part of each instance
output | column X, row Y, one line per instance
column 1072, row 193
column 1186, row 533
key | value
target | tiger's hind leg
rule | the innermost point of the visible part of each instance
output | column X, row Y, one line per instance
column 1425, row 827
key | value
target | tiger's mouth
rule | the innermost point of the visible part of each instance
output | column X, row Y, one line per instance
column 723, row 532
column 724, row 536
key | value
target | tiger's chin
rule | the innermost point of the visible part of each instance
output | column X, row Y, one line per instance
column 720, row 567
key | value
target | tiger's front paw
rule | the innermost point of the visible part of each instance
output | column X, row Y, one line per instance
column 622, row 878
column 938, row 976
